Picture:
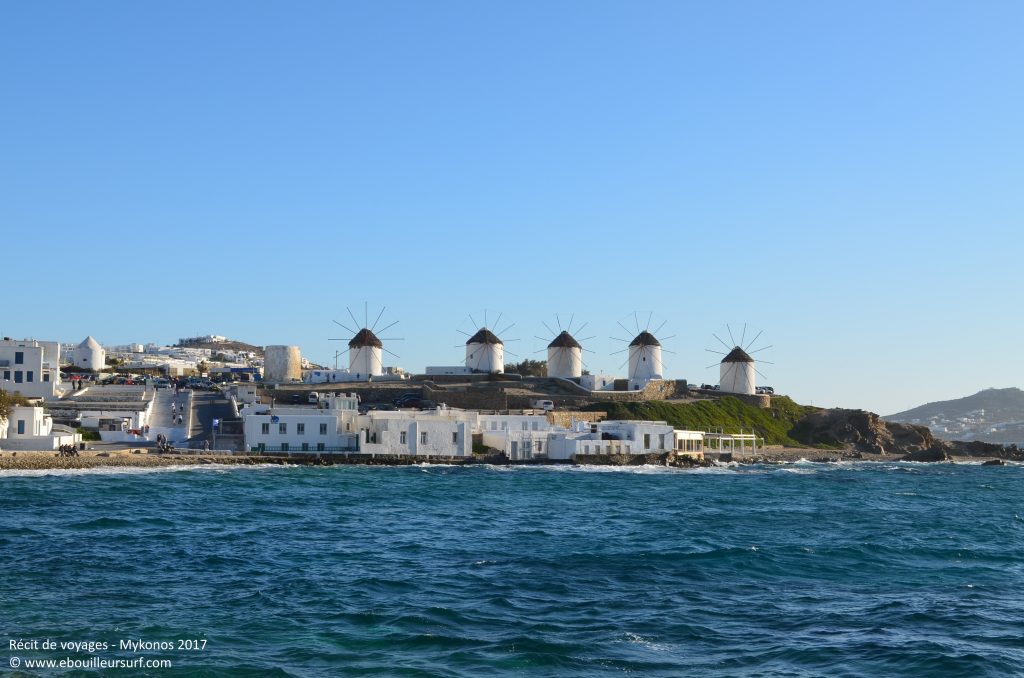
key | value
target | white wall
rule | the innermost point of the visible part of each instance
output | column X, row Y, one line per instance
column 365, row 361
column 644, row 365
column 565, row 361
column 737, row 377
column 486, row 357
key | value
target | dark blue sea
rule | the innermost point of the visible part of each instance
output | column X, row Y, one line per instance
column 804, row 569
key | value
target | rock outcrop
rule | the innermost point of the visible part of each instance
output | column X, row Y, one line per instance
column 865, row 432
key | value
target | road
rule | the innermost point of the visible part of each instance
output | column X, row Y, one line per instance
column 206, row 406
column 162, row 417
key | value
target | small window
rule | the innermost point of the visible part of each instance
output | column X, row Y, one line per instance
column 284, row 447
column 18, row 377
column 282, row 428
column 534, row 425
column 540, row 446
column 323, row 429
column 262, row 447
column 647, row 441
column 526, row 427
column 7, row 375
column 455, row 438
column 21, row 427
column 265, row 429
column 19, row 357
column 494, row 426
column 319, row 447
column 402, row 438
column 305, row 447
column 300, row 429
column 30, row 376
column 423, row 438
column 46, row 376
column 504, row 425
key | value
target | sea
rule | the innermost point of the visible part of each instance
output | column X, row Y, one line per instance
column 801, row 569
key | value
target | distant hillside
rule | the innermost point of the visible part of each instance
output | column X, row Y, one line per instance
column 229, row 345
column 995, row 415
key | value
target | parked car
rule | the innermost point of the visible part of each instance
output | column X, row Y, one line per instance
column 406, row 397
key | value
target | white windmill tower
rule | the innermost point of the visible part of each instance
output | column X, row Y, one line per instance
column 737, row 370
column 644, row 354
column 565, row 353
column 485, row 351
column 365, row 348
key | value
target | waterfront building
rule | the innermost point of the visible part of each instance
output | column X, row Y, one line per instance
column 30, row 428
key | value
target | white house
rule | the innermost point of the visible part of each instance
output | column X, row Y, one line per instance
column 29, row 367
column 626, row 437
column 30, row 428
column 302, row 429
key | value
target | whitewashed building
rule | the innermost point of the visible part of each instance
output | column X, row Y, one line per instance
column 88, row 355
column 626, row 437
column 30, row 428
column 302, row 429
column 565, row 357
column 737, row 373
column 29, row 367
column 485, row 352
column 365, row 353
column 644, row 360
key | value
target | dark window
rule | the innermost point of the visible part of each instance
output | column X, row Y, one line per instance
column 323, row 429
column 300, row 429
column 319, row 447
column 21, row 427
column 19, row 357
column 46, row 376
column 305, row 447
column 7, row 375
column 282, row 428
column 284, row 447
column 30, row 376
column 265, row 429
column 17, row 377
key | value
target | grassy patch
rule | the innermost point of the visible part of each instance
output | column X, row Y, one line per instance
column 773, row 424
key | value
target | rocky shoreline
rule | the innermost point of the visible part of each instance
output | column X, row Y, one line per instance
column 129, row 458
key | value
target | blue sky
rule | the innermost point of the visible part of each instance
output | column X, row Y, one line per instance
column 844, row 177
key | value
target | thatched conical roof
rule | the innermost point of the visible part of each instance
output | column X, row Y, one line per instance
column 645, row 338
column 484, row 336
column 365, row 338
column 564, row 340
column 737, row 355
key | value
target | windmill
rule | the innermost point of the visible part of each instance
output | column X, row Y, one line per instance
column 485, row 351
column 565, row 353
column 737, row 368
column 644, row 352
column 365, row 349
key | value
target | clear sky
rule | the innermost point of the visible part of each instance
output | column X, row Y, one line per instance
column 846, row 177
